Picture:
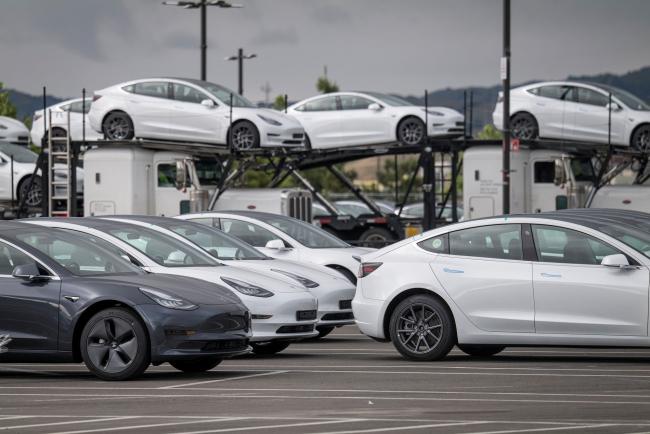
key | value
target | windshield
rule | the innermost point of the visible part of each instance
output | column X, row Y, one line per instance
column 217, row 243
column 635, row 234
column 20, row 153
column 390, row 99
column 223, row 95
column 208, row 170
column 582, row 169
column 78, row 254
column 305, row 233
column 163, row 249
column 632, row 101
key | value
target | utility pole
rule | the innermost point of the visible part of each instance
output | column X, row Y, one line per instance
column 505, row 77
column 266, row 88
column 240, row 57
column 203, row 5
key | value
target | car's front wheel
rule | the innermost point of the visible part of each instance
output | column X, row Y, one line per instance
column 269, row 348
column 195, row 366
column 118, row 126
column 524, row 126
column 31, row 192
column 244, row 136
column 481, row 350
column 411, row 131
column 422, row 329
column 114, row 345
column 641, row 138
column 323, row 331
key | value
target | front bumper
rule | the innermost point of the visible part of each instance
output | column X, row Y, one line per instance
column 218, row 331
column 368, row 315
column 334, row 307
column 282, row 137
column 282, row 322
column 446, row 128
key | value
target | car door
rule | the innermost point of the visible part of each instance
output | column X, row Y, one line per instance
column 257, row 236
column 192, row 121
column 548, row 107
column 488, row 277
column 362, row 125
column 150, row 109
column 29, row 310
column 574, row 294
column 545, row 195
column 591, row 117
column 321, row 120
column 5, row 176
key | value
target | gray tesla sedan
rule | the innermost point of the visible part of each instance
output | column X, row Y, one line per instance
column 64, row 297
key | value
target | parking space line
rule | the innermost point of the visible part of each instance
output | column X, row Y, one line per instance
column 241, row 377
column 13, row 417
column 153, row 425
column 69, row 422
column 601, row 425
column 407, row 427
column 258, row 427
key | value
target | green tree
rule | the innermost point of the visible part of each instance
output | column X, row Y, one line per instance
column 278, row 102
column 489, row 132
column 405, row 169
column 7, row 108
column 325, row 85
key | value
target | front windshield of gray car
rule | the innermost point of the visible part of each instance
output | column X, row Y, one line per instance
column 223, row 94
column 217, row 243
column 77, row 254
column 20, row 153
column 634, row 234
column 391, row 100
column 306, row 234
column 160, row 248
column 632, row 101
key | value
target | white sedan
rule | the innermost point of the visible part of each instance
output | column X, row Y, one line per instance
column 343, row 119
column 76, row 109
column 567, row 278
column 281, row 312
column 13, row 131
column 334, row 292
column 285, row 238
column 187, row 110
column 577, row 111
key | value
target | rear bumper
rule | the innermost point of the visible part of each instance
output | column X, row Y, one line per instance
column 368, row 315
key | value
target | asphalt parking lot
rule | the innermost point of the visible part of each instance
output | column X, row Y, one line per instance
column 345, row 383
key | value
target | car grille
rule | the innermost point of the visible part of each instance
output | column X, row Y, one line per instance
column 460, row 124
column 298, row 136
column 300, row 206
column 339, row 316
column 345, row 304
column 305, row 315
column 306, row 328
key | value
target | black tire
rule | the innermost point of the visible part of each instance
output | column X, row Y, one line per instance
column 195, row 366
column 345, row 272
column 481, row 350
column 114, row 345
column 426, row 319
column 641, row 138
column 378, row 236
column 323, row 331
column 57, row 132
column 307, row 143
column 411, row 131
column 524, row 126
column 244, row 136
column 269, row 348
column 33, row 196
column 118, row 126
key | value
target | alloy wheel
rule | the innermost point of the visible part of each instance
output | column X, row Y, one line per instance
column 642, row 139
column 523, row 128
column 243, row 137
column 34, row 196
column 112, row 345
column 118, row 128
column 419, row 328
column 411, row 132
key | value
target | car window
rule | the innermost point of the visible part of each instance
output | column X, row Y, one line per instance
column 248, row 232
column 439, row 244
column 544, row 172
column 167, row 175
column 591, row 97
column 555, row 244
column 79, row 107
column 354, row 102
column 185, row 93
column 158, row 89
column 11, row 257
column 327, row 103
column 208, row 221
column 496, row 241
column 555, row 92
column 305, row 233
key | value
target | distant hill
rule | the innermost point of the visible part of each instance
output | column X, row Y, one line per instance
column 27, row 104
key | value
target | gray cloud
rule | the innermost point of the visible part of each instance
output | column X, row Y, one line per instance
column 330, row 13
column 275, row 37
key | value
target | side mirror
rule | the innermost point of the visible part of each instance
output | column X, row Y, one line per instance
column 28, row 272
column 181, row 175
column 374, row 106
column 616, row 261
column 559, row 177
column 275, row 245
column 208, row 103
column 614, row 107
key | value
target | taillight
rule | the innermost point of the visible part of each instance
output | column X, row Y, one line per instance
column 96, row 97
column 367, row 268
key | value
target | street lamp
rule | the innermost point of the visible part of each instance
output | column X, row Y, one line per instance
column 240, row 60
column 203, row 5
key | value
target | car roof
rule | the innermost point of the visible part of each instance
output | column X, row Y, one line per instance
column 89, row 222
column 13, row 225
column 260, row 215
column 593, row 218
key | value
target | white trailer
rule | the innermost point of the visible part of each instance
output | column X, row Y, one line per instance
column 291, row 202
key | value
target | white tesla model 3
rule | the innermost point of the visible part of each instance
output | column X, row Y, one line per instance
column 576, row 111
column 343, row 119
column 187, row 110
column 13, row 131
column 570, row 278
column 333, row 291
column 281, row 312
column 285, row 238
column 78, row 112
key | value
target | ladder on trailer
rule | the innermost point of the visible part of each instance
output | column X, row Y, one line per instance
column 59, row 172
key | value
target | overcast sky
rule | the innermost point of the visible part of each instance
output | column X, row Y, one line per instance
column 400, row 46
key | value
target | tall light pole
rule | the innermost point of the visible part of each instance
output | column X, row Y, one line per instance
column 203, row 5
column 240, row 57
column 505, row 77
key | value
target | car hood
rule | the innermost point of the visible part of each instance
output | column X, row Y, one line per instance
column 279, row 116
column 196, row 291
column 13, row 125
column 448, row 112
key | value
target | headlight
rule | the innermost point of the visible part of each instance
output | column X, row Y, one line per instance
column 303, row 280
column 269, row 120
column 247, row 288
column 168, row 301
column 2, row 127
column 434, row 113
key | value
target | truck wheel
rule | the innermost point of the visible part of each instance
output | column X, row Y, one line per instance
column 377, row 237
column 641, row 138
column 524, row 126
column 34, row 196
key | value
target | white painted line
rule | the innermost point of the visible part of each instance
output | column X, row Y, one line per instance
column 602, row 425
column 407, row 427
column 70, row 422
column 176, row 386
column 13, row 417
column 256, row 427
column 155, row 425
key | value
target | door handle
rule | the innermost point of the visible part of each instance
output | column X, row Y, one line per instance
column 551, row 275
column 72, row 298
column 453, row 270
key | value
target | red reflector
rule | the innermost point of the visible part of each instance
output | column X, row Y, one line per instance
column 251, row 207
column 367, row 268
column 378, row 221
column 627, row 201
column 325, row 221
